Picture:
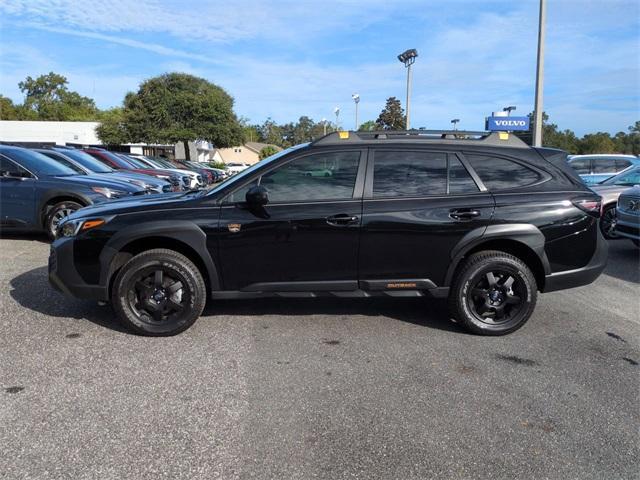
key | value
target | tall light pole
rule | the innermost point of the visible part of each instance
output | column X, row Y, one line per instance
column 455, row 122
column 538, row 112
column 337, row 112
column 408, row 57
column 356, row 99
column 324, row 126
column 509, row 109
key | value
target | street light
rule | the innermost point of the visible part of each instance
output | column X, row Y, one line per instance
column 455, row 122
column 337, row 112
column 408, row 57
column 324, row 125
column 509, row 109
column 356, row 99
column 538, row 111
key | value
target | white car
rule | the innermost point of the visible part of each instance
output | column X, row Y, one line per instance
column 192, row 180
column 233, row 168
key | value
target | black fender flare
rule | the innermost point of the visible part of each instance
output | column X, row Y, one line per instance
column 184, row 231
column 524, row 233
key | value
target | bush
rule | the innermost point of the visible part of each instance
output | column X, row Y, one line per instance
column 220, row 165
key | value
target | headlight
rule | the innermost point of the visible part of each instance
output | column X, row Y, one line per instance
column 109, row 192
column 71, row 228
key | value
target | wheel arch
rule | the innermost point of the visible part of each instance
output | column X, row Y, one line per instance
column 57, row 197
column 183, row 237
column 524, row 241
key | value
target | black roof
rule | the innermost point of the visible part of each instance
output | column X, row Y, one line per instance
column 451, row 137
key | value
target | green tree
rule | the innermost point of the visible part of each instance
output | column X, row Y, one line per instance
column 392, row 116
column 8, row 111
column 267, row 151
column 367, row 126
column 48, row 98
column 177, row 107
column 112, row 129
column 600, row 142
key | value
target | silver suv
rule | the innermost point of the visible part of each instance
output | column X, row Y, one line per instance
column 628, row 223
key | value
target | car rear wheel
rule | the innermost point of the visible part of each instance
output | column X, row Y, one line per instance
column 493, row 293
column 159, row 293
column 56, row 214
column 608, row 222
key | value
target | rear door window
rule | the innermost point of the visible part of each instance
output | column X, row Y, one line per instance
column 502, row 174
column 409, row 174
column 604, row 165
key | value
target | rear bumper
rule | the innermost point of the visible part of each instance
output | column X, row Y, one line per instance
column 580, row 276
column 64, row 277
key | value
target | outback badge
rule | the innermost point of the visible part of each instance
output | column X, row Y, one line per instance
column 234, row 227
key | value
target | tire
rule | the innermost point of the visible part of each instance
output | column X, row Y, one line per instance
column 158, row 304
column 493, row 276
column 608, row 222
column 56, row 213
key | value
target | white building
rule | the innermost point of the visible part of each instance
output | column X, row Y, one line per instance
column 83, row 134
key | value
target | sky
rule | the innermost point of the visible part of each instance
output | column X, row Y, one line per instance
column 287, row 58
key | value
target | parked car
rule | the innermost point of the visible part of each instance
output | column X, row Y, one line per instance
column 84, row 163
column 610, row 190
column 597, row 168
column 118, row 163
column 234, row 168
column 36, row 192
column 484, row 220
column 191, row 179
column 628, row 221
column 207, row 173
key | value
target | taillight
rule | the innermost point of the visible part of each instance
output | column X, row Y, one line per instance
column 590, row 206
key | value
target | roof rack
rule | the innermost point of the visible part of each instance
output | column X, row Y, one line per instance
column 502, row 139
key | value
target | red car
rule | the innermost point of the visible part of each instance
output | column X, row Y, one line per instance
column 118, row 163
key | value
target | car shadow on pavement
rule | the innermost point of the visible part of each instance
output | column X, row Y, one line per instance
column 30, row 236
column 624, row 261
column 426, row 312
column 32, row 290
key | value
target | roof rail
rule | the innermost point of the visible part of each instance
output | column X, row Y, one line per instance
column 502, row 139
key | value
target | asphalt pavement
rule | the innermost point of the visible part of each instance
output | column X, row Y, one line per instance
column 324, row 388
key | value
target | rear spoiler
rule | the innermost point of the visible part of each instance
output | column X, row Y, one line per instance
column 558, row 158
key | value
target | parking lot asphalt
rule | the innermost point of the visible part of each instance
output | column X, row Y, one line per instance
column 325, row 388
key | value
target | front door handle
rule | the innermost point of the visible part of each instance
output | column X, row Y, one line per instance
column 342, row 220
column 464, row 214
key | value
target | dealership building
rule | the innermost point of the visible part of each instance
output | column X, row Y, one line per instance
column 83, row 134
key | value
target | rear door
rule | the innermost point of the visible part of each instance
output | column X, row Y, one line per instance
column 418, row 204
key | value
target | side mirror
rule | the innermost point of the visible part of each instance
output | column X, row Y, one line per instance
column 257, row 196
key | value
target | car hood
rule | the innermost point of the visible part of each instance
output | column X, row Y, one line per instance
column 128, row 175
column 96, row 180
column 138, row 204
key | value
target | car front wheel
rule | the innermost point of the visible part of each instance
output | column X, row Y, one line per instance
column 493, row 293
column 158, row 293
column 56, row 214
column 608, row 222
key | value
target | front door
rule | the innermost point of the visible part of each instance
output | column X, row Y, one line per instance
column 306, row 237
column 418, row 205
column 17, row 196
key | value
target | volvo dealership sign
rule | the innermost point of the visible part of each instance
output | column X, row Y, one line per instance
column 508, row 124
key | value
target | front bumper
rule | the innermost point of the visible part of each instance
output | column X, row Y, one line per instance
column 580, row 276
column 628, row 225
column 64, row 277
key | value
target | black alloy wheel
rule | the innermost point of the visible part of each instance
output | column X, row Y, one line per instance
column 608, row 222
column 159, row 293
column 493, row 293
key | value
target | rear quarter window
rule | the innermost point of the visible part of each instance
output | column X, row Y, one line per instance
column 501, row 174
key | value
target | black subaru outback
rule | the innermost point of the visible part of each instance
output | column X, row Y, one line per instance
column 480, row 218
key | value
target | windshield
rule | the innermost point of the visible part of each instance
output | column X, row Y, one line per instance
column 627, row 178
column 38, row 163
column 135, row 162
column 248, row 171
column 86, row 160
column 163, row 163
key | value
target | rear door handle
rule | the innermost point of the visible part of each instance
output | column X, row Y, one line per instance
column 341, row 220
column 464, row 214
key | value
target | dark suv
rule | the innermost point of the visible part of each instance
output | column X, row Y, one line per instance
column 480, row 218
